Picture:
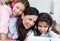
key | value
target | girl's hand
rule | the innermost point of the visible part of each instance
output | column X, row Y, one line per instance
column 3, row 36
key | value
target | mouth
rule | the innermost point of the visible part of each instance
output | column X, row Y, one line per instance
column 28, row 26
column 41, row 31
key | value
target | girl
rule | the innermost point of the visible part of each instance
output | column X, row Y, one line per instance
column 43, row 27
column 18, row 7
column 4, row 18
column 27, row 22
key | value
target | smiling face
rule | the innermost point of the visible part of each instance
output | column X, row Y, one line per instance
column 29, row 21
column 43, row 27
column 18, row 9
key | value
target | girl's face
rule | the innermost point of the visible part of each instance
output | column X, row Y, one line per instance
column 18, row 9
column 43, row 27
column 29, row 21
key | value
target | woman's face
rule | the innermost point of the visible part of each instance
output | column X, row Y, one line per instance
column 29, row 21
column 18, row 9
column 43, row 27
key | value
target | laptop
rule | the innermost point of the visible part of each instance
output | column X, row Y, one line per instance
column 37, row 38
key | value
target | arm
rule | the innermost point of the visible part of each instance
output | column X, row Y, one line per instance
column 26, row 38
column 4, row 20
column 3, row 36
column 53, row 34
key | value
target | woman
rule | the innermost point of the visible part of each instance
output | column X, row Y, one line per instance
column 27, row 22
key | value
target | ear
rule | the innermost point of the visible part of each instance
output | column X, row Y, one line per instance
column 22, row 16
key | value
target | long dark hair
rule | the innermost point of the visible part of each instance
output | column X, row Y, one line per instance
column 22, row 32
column 43, row 17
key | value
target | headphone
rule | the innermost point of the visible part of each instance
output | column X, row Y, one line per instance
column 13, row 3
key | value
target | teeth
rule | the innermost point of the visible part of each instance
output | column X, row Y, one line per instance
column 28, row 25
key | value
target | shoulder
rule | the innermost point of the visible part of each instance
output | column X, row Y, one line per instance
column 53, row 34
column 31, row 32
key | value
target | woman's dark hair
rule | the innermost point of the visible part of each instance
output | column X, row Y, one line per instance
column 31, row 11
column 22, row 32
column 44, row 17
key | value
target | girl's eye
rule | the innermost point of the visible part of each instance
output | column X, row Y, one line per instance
column 45, row 26
column 39, row 26
column 17, row 7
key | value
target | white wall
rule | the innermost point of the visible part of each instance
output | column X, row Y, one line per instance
column 57, row 11
column 42, row 5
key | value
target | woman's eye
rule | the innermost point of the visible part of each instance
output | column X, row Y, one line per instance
column 30, row 19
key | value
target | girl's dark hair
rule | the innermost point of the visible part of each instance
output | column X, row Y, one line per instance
column 44, row 17
column 22, row 32
column 8, row 2
column 25, row 2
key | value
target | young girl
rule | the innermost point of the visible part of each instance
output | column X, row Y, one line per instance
column 43, row 27
column 4, row 18
column 26, row 23
column 18, row 7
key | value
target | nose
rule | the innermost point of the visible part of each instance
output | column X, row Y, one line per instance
column 31, row 23
column 20, row 12
column 42, row 29
column 17, row 10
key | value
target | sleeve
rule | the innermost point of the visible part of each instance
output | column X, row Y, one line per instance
column 4, row 20
column 30, row 33
column 12, row 28
column 53, row 34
